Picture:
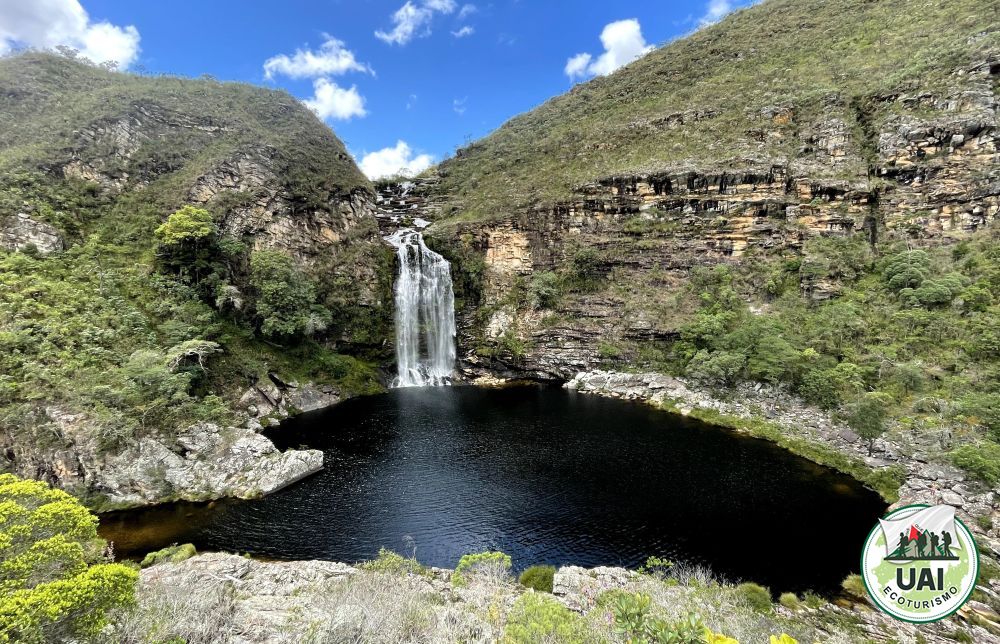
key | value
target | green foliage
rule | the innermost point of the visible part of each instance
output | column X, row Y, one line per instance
column 286, row 298
column 854, row 585
column 394, row 564
column 790, row 601
column 544, row 290
column 982, row 460
column 170, row 554
column 758, row 597
column 471, row 564
column 906, row 270
column 187, row 227
column 537, row 618
column 656, row 566
column 538, row 578
column 867, row 417
column 54, row 584
column 634, row 621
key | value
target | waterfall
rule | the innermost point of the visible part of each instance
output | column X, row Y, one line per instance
column 425, row 313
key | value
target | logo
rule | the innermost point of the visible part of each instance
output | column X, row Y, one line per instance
column 920, row 564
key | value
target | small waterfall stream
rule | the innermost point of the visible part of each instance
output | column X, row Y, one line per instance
column 425, row 313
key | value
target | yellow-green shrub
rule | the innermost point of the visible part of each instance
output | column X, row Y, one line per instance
column 54, row 584
column 539, row 618
column 472, row 563
column 538, row 578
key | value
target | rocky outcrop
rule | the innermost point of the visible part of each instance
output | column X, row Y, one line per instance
column 20, row 232
column 201, row 462
column 918, row 166
column 244, row 600
column 274, row 398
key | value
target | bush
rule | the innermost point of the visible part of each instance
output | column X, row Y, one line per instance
column 54, row 583
column 544, row 290
column 538, row 578
column 867, row 418
column 394, row 563
column 790, row 601
column 539, row 618
column 853, row 585
column 170, row 554
column 982, row 460
column 286, row 299
column 488, row 562
column 756, row 596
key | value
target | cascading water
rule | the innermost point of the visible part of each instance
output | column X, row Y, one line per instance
column 425, row 313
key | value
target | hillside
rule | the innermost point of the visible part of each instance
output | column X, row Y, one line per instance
column 803, row 197
column 121, row 325
column 785, row 82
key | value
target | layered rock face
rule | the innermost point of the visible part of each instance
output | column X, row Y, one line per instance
column 918, row 166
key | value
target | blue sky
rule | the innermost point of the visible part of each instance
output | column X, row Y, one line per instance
column 433, row 74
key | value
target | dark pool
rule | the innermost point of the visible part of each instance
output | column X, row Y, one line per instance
column 543, row 474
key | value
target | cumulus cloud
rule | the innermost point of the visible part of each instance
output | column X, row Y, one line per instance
column 466, row 11
column 715, row 11
column 623, row 43
column 50, row 23
column 331, row 101
column 414, row 20
column 332, row 58
column 397, row 160
column 463, row 32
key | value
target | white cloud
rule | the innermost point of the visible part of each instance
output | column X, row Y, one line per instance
column 332, row 58
column 414, row 21
column 398, row 160
column 623, row 43
column 458, row 105
column 463, row 32
column 466, row 11
column 577, row 65
column 333, row 101
column 715, row 11
column 49, row 23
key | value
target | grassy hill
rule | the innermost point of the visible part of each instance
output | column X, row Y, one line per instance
column 739, row 94
column 122, row 335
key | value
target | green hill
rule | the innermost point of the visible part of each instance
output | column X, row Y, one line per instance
column 110, row 331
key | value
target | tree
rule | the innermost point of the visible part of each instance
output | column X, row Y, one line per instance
column 285, row 297
column 187, row 242
column 54, row 582
column 867, row 418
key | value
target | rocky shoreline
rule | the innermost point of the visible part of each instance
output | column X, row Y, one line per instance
column 926, row 479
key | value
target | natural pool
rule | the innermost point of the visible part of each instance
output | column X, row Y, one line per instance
column 543, row 474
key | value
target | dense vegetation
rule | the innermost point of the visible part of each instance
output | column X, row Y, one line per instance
column 56, row 584
column 153, row 318
column 704, row 101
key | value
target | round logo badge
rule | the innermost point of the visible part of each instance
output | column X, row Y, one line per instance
column 920, row 563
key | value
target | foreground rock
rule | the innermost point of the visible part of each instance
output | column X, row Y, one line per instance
column 219, row 597
column 202, row 462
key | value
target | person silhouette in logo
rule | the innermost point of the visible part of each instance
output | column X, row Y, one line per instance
column 934, row 544
column 946, row 545
column 921, row 543
column 904, row 543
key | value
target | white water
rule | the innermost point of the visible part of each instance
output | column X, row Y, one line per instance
column 425, row 314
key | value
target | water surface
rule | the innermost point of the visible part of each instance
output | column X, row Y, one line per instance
column 543, row 474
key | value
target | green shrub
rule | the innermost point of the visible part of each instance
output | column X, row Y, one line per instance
column 867, row 417
column 538, row 578
column 394, row 563
column 286, row 298
column 982, row 460
column 790, row 601
column 812, row 600
column 854, row 585
column 471, row 564
column 544, row 290
column 539, row 618
column 756, row 596
column 54, row 583
column 170, row 554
